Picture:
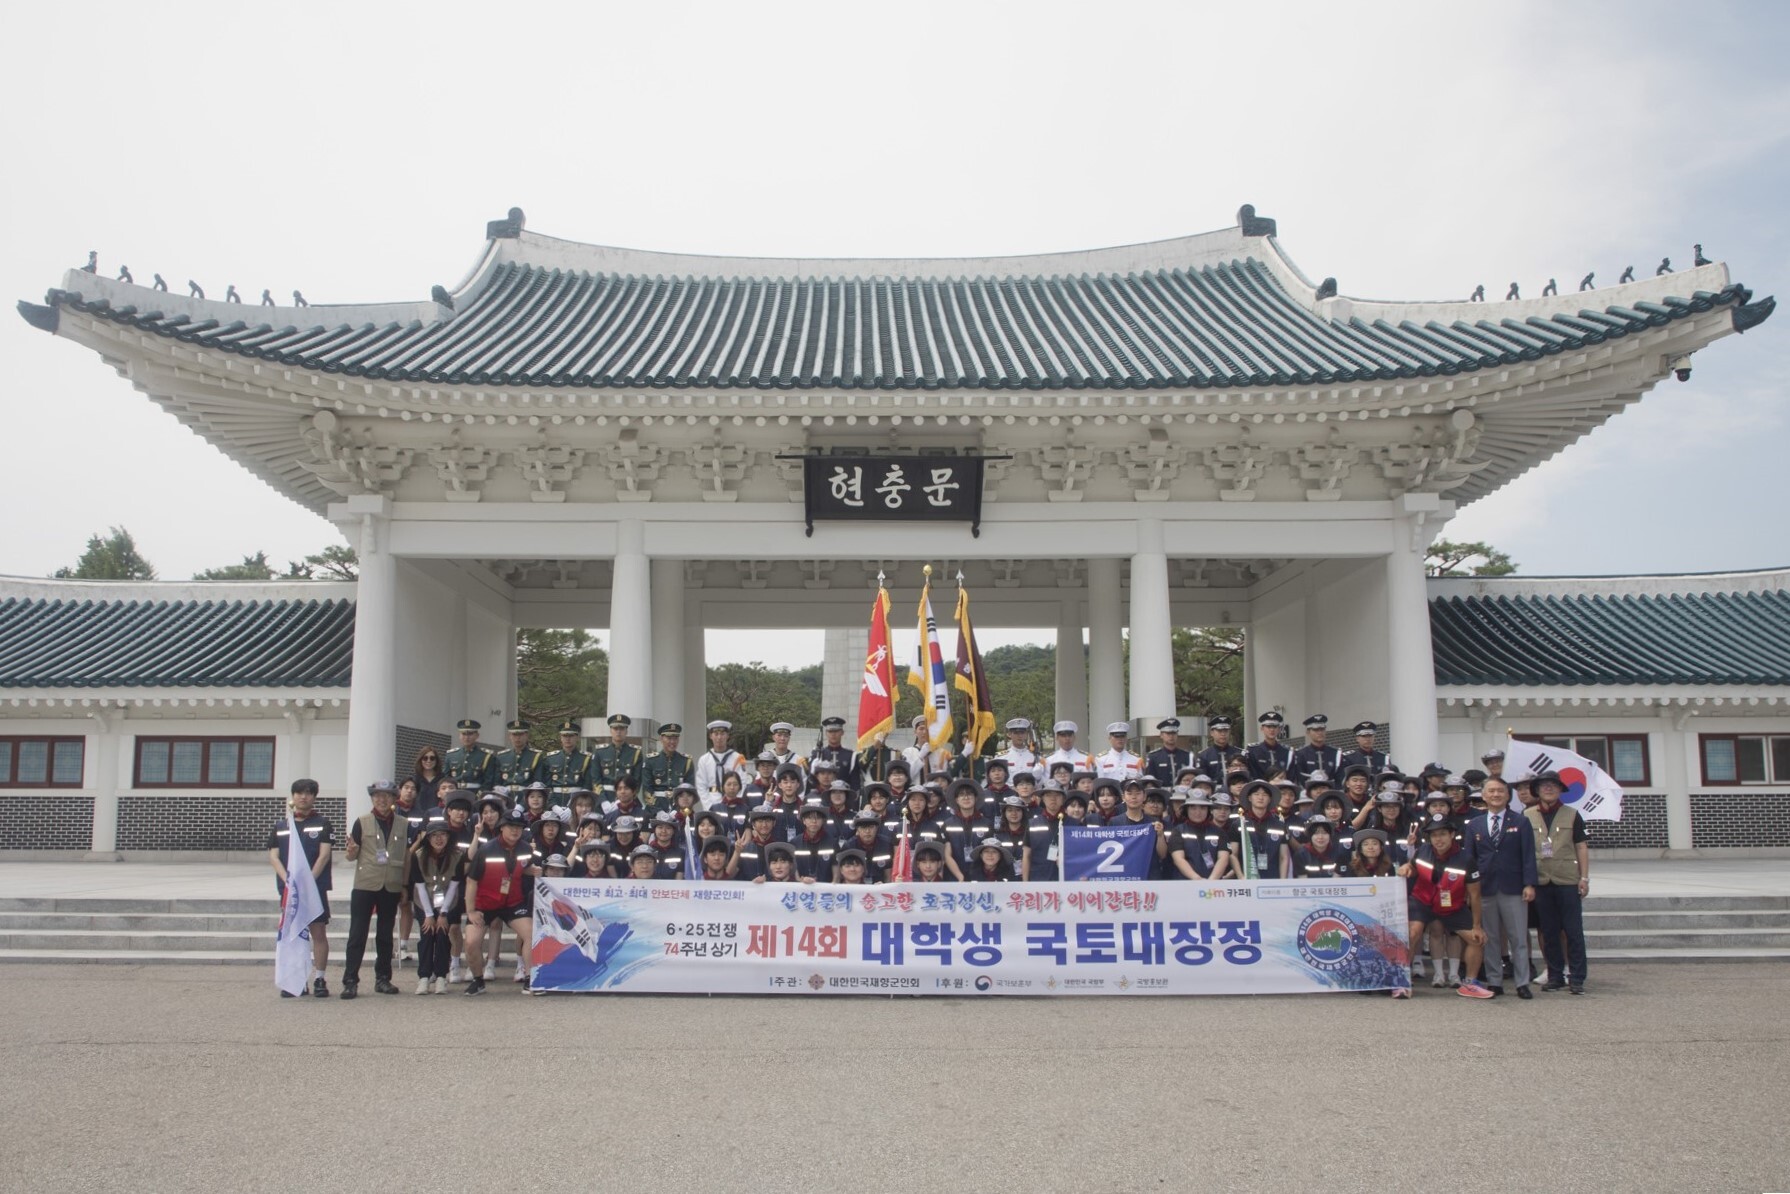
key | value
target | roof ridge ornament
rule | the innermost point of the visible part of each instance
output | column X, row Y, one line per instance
column 508, row 228
column 1254, row 225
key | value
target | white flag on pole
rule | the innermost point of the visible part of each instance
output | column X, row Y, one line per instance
column 1586, row 786
column 302, row 905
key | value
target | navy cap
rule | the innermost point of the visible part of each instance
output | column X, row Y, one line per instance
column 832, row 723
column 1317, row 721
column 1366, row 727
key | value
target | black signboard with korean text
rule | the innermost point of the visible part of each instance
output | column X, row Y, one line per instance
column 893, row 489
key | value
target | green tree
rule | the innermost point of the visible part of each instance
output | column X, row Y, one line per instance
column 111, row 557
column 559, row 674
column 335, row 562
column 1208, row 671
column 753, row 695
column 1022, row 682
column 253, row 567
column 1445, row 557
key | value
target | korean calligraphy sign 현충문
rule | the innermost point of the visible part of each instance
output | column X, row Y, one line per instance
column 893, row 489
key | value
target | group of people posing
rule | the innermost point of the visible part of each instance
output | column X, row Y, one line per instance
column 453, row 850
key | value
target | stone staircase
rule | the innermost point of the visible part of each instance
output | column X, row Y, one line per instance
column 1687, row 928
column 1617, row 928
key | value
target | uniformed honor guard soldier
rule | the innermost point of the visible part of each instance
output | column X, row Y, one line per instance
column 568, row 768
column 1117, row 761
column 780, row 732
column 664, row 771
column 834, row 751
column 874, row 761
column 717, row 762
column 1021, row 753
column 520, row 764
column 1364, row 754
column 1164, row 764
column 618, row 756
column 1270, row 756
column 1316, row 754
column 1067, row 751
column 470, row 765
column 1215, row 761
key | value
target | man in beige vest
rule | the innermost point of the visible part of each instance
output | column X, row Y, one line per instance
column 1563, row 873
column 379, row 847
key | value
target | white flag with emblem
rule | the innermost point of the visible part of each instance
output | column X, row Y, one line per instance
column 1585, row 786
column 302, row 905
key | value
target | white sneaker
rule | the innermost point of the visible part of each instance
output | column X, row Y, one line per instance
column 1440, row 980
column 441, row 986
column 520, row 972
column 404, row 951
column 422, row 986
column 490, row 971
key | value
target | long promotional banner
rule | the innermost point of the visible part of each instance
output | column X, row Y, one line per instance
column 1269, row 936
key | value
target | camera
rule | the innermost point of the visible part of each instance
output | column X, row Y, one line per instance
column 1681, row 366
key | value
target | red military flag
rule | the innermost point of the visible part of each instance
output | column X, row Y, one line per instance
column 970, row 681
column 876, row 700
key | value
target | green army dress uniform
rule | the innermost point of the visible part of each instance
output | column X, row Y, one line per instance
column 663, row 772
column 519, row 768
column 609, row 761
column 471, row 766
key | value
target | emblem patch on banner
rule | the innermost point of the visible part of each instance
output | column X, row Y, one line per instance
column 1327, row 939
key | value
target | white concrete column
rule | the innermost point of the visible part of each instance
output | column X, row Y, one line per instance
column 102, row 777
column 1671, row 775
column 668, row 643
column 1410, row 657
column 842, row 673
column 1072, row 672
column 372, row 694
column 1106, row 649
column 1152, row 647
column 696, row 685
column 630, row 625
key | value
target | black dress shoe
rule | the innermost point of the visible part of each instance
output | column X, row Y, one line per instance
column 287, row 995
column 1577, row 988
column 1496, row 991
column 1553, row 985
column 319, row 988
column 384, row 987
column 350, row 990
column 1523, row 992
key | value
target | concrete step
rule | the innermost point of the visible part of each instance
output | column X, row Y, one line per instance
column 268, row 907
column 162, row 922
column 1677, row 919
column 1701, row 903
column 1705, row 938
column 1686, row 955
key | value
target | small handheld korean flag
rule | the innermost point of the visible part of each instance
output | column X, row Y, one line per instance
column 302, row 905
column 1585, row 786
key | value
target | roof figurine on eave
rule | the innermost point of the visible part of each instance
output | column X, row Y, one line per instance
column 1224, row 309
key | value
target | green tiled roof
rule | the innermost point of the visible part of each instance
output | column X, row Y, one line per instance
column 175, row 644
column 1228, row 324
column 1700, row 638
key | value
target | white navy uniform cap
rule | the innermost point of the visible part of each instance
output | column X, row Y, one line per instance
column 720, row 725
column 1119, row 727
column 1064, row 727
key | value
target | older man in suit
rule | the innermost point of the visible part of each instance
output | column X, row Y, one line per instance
column 1504, row 851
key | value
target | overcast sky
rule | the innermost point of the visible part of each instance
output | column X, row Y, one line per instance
column 1413, row 151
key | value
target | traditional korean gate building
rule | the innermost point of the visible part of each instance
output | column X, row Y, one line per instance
column 1184, row 433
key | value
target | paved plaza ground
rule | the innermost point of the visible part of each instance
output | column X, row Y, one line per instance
column 1664, row 1077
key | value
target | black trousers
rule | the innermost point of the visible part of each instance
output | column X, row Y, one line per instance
column 361, row 907
column 1562, row 911
column 434, row 953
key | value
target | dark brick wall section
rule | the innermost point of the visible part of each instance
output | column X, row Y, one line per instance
column 52, row 821
column 1739, row 819
column 410, row 744
column 210, row 822
column 1643, row 825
